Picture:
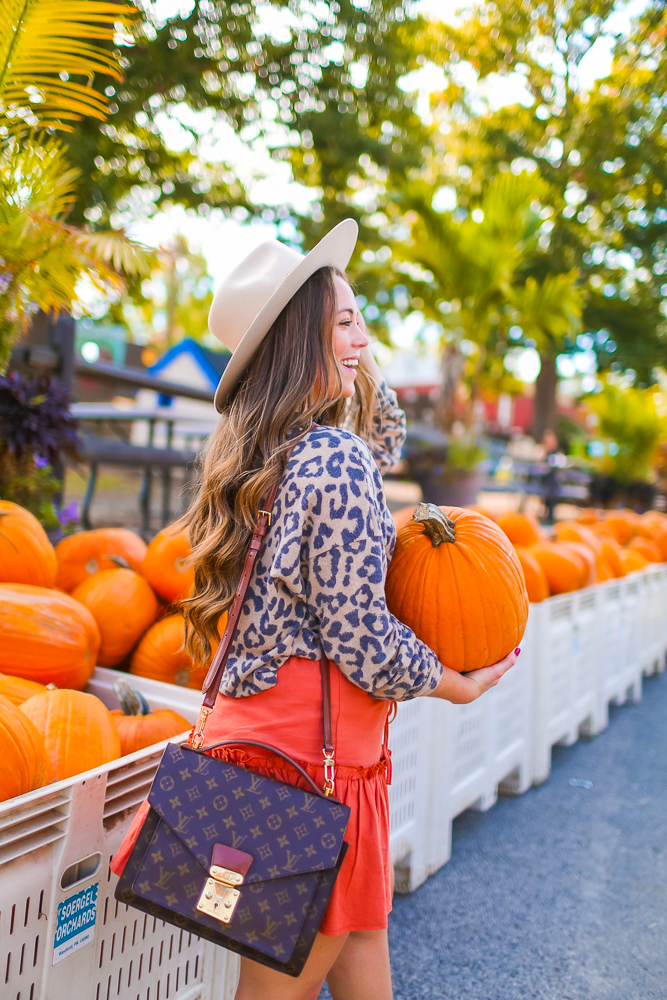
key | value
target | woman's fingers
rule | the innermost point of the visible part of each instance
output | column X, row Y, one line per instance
column 463, row 688
column 488, row 677
column 503, row 665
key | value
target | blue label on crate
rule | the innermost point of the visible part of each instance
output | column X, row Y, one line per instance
column 75, row 922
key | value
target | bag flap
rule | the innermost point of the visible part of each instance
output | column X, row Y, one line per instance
column 205, row 802
column 270, row 915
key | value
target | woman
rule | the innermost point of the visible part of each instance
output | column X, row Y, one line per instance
column 304, row 403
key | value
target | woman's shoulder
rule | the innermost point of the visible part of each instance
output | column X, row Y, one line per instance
column 330, row 453
column 328, row 476
column 328, row 497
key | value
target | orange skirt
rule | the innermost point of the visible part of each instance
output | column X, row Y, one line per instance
column 289, row 716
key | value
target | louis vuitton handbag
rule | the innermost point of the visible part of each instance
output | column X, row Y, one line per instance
column 240, row 859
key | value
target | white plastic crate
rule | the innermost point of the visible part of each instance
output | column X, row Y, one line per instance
column 566, row 692
column 658, row 660
column 620, row 636
column 489, row 741
column 653, row 635
column 185, row 701
column 55, row 848
column 477, row 750
column 512, row 718
column 410, row 741
column 589, row 718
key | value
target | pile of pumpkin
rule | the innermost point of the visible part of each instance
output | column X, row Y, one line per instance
column 47, row 734
column 99, row 597
column 598, row 546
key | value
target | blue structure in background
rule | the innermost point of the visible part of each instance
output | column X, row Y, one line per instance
column 210, row 363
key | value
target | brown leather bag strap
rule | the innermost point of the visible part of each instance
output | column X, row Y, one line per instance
column 274, row 750
column 327, row 733
column 215, row 673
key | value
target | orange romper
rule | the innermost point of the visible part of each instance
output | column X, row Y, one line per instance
column 289, row 717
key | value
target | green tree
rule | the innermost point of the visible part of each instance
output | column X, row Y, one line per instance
column 602, row 151
column 173, row 301
column 44, row 257
column 471, row 272
column 316, row 84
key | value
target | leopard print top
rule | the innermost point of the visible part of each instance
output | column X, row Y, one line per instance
column 318, row 583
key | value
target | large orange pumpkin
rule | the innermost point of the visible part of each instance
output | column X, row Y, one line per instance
column 648, row 548
column 87, row 552
column 456, row 580
column 78, row 730
column 18, row 689
column 46, row 636
column 165, row 565
column 26, row 554
column 138, row 726
column 563, row 567
column 123, row 605
column 521, row 529
column 537, row 584
column 24, row 762
column 160, row 654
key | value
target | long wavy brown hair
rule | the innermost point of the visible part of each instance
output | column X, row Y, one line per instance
column 292, row 381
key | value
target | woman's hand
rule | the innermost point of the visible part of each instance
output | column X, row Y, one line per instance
column 461, row 689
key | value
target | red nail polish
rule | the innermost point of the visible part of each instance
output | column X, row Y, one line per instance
column 517, row 650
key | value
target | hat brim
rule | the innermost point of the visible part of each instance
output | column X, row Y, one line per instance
column 334, row 250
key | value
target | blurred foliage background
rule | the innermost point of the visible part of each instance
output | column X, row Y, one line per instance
column 515, row 201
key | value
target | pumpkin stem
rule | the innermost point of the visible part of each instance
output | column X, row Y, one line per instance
column 131, row 701
column 437, row 525
column 119, row 561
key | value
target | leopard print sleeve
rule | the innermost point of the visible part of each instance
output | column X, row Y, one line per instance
column 333, row 559
column 358, row 633
column 389, row 428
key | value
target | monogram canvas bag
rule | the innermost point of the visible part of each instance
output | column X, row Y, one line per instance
column 240, row 859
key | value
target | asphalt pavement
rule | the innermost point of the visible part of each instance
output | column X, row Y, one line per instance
column 559, row 894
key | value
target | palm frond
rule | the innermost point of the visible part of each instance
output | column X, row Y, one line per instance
column 45, row 42
column 116, row 251
column 36, row 175
column 44, row 258
column 508, row 207
column 550, row 309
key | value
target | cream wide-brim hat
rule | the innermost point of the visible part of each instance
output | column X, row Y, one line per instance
column 251, row 298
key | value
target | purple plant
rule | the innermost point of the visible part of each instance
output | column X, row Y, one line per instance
column 69, row 514
column 35, row 419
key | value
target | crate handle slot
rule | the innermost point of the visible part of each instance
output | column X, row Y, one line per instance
column 81, row 870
